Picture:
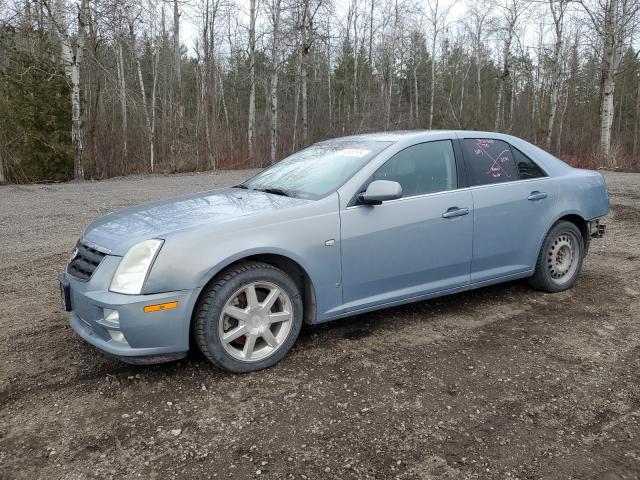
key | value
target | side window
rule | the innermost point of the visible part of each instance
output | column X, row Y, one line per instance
column 424, row 168
column 489, row 161
column 526, row 167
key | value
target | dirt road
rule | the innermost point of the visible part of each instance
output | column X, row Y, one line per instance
column 503, row 382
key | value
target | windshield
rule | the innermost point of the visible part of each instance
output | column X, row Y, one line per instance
column 318, row 170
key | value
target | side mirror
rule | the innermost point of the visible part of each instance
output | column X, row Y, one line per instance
column 380, row 191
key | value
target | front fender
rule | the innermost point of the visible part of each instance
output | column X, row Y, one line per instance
column 192, row 258
column 220, row 266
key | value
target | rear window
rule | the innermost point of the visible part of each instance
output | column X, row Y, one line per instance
column 489, row 161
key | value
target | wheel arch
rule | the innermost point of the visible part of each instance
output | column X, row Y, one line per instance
column 281, row 260
column 574, row 217
column 579, row 222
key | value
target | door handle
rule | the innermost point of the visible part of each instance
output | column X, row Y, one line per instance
column 536, row 195
column 455, row 212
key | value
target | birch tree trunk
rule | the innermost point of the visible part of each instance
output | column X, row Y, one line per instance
column 306, row 34
column 606, row 116
column 123, row 101
column 565, row 102
column 478, row 86
column 614, row 24
column 252, row 84
column 415, row 91
column 433, row 80
column 355, row 59
column 72, row 57
column 463, row 91
column 296, row 104
column 305, row 103
column 222, row 99
column 558, row 21
column 437, row 18
column 636, row 122
column 273, row 89
column 513, row 11
column 152, row 130
column 177, row 70
column 512, row 100
column 204, row 103
column 149, row 114
column 329, row 73
column 610, row 64
column 371, row 32
column 205, row 72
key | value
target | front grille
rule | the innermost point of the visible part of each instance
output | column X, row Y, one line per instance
column 85, row 261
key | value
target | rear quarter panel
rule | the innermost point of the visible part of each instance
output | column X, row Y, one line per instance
column 582, row 192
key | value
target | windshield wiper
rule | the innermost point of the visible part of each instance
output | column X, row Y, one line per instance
column 275, row 191
column 241, row 185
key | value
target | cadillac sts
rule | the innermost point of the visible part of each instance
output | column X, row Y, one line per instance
column 342, row 227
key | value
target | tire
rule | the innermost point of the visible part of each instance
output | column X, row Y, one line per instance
column 258, row 308
column 560, row 259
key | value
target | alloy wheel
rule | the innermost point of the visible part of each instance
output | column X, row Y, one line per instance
column 255, row 321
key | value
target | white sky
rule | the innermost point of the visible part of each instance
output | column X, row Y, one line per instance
column 190, row 29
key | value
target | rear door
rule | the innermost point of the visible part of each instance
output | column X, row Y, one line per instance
column 513, row 201
column 415, row 245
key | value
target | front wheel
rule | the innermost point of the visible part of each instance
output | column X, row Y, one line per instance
column 560, row 259
column 248, row 318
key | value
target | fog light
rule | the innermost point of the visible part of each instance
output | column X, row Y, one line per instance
column 111, row 316
column 117, row 336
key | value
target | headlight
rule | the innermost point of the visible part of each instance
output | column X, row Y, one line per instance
column 134, row 267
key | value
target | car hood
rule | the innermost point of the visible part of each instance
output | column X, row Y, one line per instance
column 120, row 230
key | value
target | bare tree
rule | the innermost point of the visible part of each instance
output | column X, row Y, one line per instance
column 558, row 9
column 613, row 22
column 479, row 23
column 72, row 55
column 252, row 83
column 177, row 58
column 149, row 110
column 275, row 10
column 123, row 99
column 437, row 16
column 512, row 10
column 259, row 78
column 636, row 122
column 305, row 27
column 355, row 14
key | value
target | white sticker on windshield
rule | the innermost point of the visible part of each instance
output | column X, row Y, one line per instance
column 354, row 152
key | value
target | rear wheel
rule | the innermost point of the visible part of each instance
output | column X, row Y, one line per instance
column 249, row 318
column 560, row 259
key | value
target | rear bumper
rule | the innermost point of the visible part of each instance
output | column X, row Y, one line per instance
column 137, row 336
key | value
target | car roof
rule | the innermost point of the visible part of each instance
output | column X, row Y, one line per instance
column 391, row 136
column 403, row 135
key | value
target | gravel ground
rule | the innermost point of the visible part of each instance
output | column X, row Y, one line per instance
column 502, row 382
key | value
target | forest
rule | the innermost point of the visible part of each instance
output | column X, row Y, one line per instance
column 91, row 89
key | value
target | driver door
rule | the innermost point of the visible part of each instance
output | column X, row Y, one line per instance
column 406, row 248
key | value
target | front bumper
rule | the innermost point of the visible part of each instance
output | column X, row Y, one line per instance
column 138, row 336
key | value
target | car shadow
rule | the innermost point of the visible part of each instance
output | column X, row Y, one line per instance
column 353, row 328
column 363, row 325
